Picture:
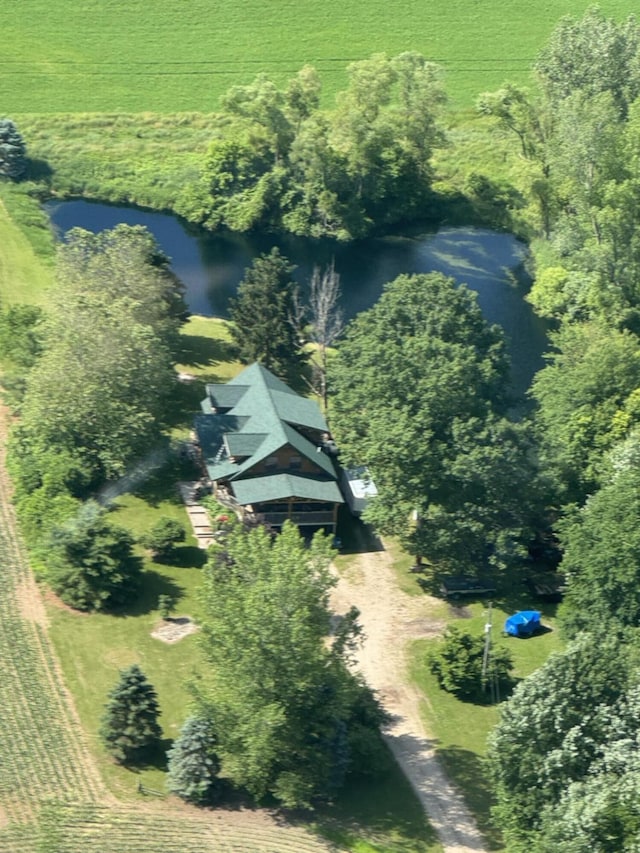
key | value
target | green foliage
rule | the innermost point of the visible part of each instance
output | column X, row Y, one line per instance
column 162, row 538
column 603, row 55
column 552, row 730
column 289, row 717
column 419, row 392
column 90, row 563
column 263, row 318
column 114, row 317
column 586, row 403
column 193, row 764
column 457, row 663
column 278, row 162
column 13, row 151
column 130, row 724
column 601, row 560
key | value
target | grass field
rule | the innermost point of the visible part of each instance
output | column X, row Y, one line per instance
column 168, row 56
column 26, row 248
column 461, row 728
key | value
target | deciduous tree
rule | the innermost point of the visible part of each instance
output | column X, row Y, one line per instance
column 290, row 719
column 420, row 390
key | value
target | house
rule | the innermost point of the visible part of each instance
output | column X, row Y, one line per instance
column 268, row 449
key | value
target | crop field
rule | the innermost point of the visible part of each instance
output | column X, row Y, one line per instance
column 167, row 56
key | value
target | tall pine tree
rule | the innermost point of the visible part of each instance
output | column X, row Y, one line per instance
column 263, row 315
column 130, row 723
column 193, row 763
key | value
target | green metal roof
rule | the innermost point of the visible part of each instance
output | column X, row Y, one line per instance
column 273, row 487
column 262, row 420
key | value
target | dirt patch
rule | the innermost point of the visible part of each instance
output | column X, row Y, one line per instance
column 174, row 630
column 391, row 619
column 30, row 602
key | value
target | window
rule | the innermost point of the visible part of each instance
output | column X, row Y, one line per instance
column 295, row 463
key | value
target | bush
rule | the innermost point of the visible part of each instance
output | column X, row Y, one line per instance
column 457, row 663
column 163, row 537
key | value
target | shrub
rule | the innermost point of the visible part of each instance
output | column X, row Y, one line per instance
column 457, row 663
column 163, row 537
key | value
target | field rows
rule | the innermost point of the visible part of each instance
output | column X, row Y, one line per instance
column 64, row 828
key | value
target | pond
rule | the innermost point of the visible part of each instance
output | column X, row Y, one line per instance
column 212, row 264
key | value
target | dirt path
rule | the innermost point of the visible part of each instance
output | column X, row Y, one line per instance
column 391, row 618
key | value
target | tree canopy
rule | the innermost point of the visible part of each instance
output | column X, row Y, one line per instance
column 552, row 731
column 420, row 390
column 278, row 161
column 289, row 717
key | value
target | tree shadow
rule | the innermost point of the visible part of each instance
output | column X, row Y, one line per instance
column 356, row 536
column 384, row 805
column 201, row 351
column 185, row 557
column 153, row 586
column 161, row 485
column 39, row 170
column 469, row 773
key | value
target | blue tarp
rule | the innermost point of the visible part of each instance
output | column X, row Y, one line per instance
column 523, row 624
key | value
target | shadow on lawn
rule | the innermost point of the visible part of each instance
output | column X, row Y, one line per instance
column 153, row 586
column 384, row 807
column 469, row 773
column 201, row 351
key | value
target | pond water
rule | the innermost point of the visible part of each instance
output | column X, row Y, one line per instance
column 211, row 266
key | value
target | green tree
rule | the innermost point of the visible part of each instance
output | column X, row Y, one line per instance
column 130, row 727
column 600, row 812
column 193, row 764
column 587, row 403
column 289, row 717
column 604, row 58
column 90, row 563
column 263, row 315
column 419, row 388
column 601, row 559
column 551, row 730
column 458, row 661
column 125, row 267
column 162, row 538
column 13, row 151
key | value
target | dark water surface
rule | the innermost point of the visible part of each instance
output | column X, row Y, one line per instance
column 212, row 265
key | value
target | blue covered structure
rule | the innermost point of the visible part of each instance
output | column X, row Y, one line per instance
column 522, row 624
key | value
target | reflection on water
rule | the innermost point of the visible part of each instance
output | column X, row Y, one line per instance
column 211, row 265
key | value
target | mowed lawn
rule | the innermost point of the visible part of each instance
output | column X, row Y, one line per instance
column 168, row 56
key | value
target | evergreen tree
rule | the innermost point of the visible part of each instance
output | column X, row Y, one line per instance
column 263, row 315
column 13, row 151
column 130, row 723
column 192, row 762
column 90, row 563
